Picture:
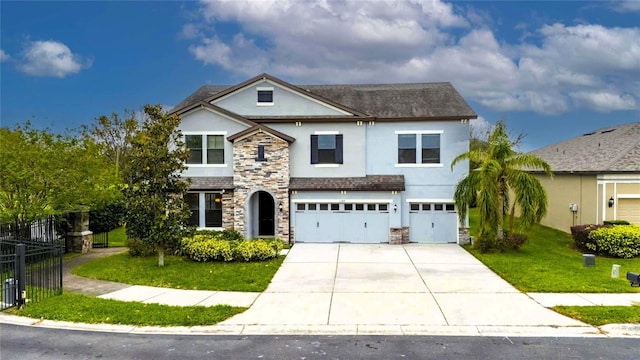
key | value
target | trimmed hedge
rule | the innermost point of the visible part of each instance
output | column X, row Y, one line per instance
column 212, row 247
column 620, row 241
column 616, row 222
column 580, row 234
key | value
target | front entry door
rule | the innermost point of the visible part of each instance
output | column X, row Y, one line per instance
column 266, row 209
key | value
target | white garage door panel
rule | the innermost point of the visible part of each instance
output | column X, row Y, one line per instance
column 354, row 223
column 435, row 223
column 629, row 209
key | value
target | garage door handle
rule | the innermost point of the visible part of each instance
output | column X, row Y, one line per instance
column 317, row 224
column 432, row 225
column 365, row 225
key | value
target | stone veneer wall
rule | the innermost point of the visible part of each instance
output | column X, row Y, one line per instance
column 463, row 236
column 272, row 176
column 399, row 236
column 227, row 210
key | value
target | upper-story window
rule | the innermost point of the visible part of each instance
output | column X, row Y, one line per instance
column 427, row 141
column 265, row 96
column 214, row 145
column 326, row 149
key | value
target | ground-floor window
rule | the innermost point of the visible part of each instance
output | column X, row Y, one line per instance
column 206, row 209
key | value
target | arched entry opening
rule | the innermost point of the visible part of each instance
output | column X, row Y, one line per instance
column 262, row 214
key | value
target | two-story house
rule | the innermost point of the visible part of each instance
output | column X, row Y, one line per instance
column 326, row 163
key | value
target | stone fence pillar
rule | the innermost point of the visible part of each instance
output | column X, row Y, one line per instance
column 80, row 238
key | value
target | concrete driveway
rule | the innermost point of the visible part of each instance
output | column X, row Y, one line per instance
column 407, row 289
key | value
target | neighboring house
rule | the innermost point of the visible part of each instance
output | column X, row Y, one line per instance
column 326, row 163
column 596, row 177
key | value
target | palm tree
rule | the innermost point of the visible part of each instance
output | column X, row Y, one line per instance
column 501, row 169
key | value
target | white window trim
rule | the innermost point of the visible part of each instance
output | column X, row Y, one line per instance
column 265, row 88
column 406, row 132
column 420, row 165
column 449, row 201
column 204, row 143
column 347, row 201
column 327, row 165
column 628, row 196
column 410, row 165
column 326, row 132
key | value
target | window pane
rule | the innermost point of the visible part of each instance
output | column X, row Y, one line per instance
column 213, row 210
column 426, row 207
column 335, row 207
column 406, row 141
column 312, row 206
column 194, row 144
column 261, row 153
column 348, row 207
column 450, row 207
column 324, row 206
column 431, row 148
column 383, row 207
column 326, row 156
column 300, row 207
column 438, row 207
column 326, row 142
column 406, row 156
column 415, row 207
column 192, row 200
column 215, row 156
column 265, row 96
column 371, row 207
column 359, row 207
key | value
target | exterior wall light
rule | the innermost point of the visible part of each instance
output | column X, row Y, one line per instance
column 280, row 207
column 611, row 201
column 395, row 207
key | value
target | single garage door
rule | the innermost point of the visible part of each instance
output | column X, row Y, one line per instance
column 344, row 222
column 629, row 209
column 433, row 223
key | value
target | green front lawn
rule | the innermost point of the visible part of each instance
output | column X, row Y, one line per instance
column 182, row 273
column 118, row 237
column 601, row 315
column 92, row 310
column 549, row 263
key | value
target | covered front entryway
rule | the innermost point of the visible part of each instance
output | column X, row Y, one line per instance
column 261, row 215
column 433, row 223
column 342, row 222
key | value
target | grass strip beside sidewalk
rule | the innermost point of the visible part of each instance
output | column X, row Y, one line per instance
column 91, row 310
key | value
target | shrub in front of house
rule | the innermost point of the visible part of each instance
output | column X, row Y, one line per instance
column 580, row 234
column 211, row 247
column 616, row 222
column 619, row 241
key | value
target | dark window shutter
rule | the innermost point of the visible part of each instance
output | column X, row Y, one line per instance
column 339, row 149
column 314, row 149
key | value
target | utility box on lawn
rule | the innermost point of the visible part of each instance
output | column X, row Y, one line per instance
column 588, row 260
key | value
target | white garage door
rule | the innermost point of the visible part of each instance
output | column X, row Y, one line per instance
column 629, row 209
column 433, row 223
column 348, row 222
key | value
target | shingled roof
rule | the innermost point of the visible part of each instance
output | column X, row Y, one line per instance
column 212, row 183
column 367, row 183
column 384, row 101
column 610, row 149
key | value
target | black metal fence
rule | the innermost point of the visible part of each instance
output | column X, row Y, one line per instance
column 30, row 262
column 101, row 240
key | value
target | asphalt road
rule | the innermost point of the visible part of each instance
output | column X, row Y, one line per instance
column 20, row 342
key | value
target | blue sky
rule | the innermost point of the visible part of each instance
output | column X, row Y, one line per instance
column 551, row 70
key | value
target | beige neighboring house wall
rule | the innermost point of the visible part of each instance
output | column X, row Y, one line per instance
column 589, row 170
column 565, row 191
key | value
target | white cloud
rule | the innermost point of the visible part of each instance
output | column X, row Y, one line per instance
column 480, row 128
column 552, row 70
column 4, row 56
column 50, row 58
column 626, row 6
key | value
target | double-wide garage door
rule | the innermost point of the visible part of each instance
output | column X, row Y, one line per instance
column 433, row 223
column 342, row 222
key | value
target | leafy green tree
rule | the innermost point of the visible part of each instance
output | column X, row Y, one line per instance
column 114, row 135
column 499, row 170
column 43, row 174
column 156, row 211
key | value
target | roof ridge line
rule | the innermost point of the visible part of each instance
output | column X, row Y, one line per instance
column 626, row 150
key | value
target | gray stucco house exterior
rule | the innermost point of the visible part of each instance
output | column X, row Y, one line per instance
column 326, row 163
